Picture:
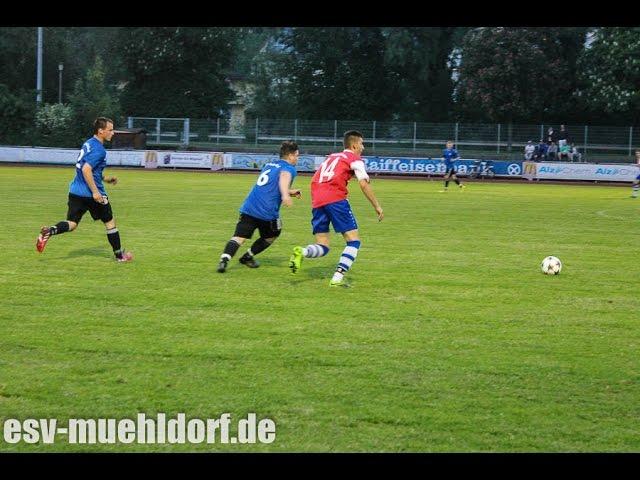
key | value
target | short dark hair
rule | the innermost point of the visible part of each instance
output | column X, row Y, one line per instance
column 350, row 136
column 288, row 147
column 101, row 122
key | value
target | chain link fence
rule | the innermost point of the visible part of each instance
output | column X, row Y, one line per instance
column 490, row 141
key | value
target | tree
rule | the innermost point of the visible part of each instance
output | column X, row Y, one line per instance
column 610, row 72
column 92, row 98
column 177, row 72
column 18, row 49
column 54, row 125
column 418, row 58
column 16, row 117
column 251, row 42
column 74, row 47
column 337, row 73
column 518, row 74
column 273, row 97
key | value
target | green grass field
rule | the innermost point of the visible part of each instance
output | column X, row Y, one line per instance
column 450, row 339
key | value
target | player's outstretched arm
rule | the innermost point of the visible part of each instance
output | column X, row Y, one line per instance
column 87, row 173
column 368, row 192
column 284, row 183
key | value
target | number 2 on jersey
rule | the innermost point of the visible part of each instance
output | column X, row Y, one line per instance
column 80, row 157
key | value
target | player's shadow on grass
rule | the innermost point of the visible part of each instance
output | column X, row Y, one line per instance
column 307, row 273
column 88, row 252
column 312, row 273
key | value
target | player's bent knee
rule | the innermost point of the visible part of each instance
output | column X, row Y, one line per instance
column 351, row 236
column 72, row 225
column 322, row 239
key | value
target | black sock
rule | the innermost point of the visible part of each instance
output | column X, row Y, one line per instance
column 113, row 236
column 230, row 249
column 59, row 228
column 457, row 181
column 446, row 184
column 258, row 246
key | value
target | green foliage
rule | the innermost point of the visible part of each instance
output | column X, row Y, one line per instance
column 16, row 116
column 332, row 73
column 18, row 57
column 526, row 75
column 377, row 73
column 273, row 96
column 418, row 61
column 177, row 72
column 610, row 71
column 251, row 41
column 518, row 74
column 348, row 79
column 92, row 98
column 54, row 125
column 74, row 47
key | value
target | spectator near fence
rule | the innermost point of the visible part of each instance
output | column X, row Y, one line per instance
column 563, row 136
column 529, row 150
column 552, row 152
column 541, row 151
column 564, row 151
column 635, row 187
column 575, row 155
column 552, row 136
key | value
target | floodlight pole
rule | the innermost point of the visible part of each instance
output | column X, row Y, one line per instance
column 39, row 69
column 60, row 68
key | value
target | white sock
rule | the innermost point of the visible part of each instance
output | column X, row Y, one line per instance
column 313, row 251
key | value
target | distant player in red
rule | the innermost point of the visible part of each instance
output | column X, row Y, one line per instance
column 330, row 206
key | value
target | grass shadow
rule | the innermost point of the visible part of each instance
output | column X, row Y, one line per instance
column 313, row 273
column 89, row 252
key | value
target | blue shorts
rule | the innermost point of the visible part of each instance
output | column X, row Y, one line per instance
column 339, row 214
column 638, row 177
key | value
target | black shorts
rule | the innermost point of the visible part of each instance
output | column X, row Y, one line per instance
column 78, row 206
column 451, row 171
column 267, row 228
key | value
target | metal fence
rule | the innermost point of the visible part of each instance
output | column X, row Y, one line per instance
column 498, row 141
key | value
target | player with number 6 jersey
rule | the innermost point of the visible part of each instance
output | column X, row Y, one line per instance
column 261, row 208
column 330, row 206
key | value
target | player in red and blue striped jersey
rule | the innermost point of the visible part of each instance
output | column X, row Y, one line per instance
column 330, row 206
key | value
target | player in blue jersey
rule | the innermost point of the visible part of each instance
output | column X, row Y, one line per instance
column 261, row 208
column 636, row 183
column 450, row 156
column 87, row 193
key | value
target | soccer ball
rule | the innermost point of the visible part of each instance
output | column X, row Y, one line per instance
column 551, row 265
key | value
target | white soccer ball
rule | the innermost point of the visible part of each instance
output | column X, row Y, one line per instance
column 551, row 265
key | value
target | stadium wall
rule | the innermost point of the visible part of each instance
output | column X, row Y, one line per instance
column 309, row 163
